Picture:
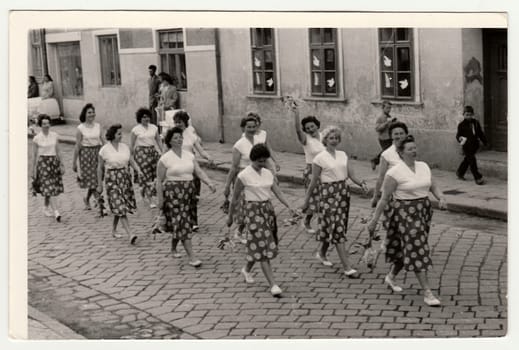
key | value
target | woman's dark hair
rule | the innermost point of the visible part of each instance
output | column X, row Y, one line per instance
column 165, row 76
column 407, row 139
column 32, row 79
column 152, row 67
column 397, row 125
column 255, row 116
column 468, row 109
column 82, row 115
column 170, row 133
column 259, row 151
column 310, row 119
column 112, row 130
column 182, row 116
column 41, row 118
column 48, row 77
column 141, row 113
column 247, row 119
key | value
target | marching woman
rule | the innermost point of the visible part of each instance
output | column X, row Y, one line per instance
column 115, row 158
column 176, row 191
column 308, row 135
column 408, row 184
column 331, row 166
column 47, row 167
column 190, row 144
column 257, row 184
column 240, row 160
column 261, row 137
column 145, row 146
column 89, row 139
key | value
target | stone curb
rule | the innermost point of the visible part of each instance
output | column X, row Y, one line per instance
column 53, row 325
column 452, row 207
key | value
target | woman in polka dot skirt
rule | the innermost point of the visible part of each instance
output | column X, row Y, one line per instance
column 331, row 166
column 258, row 184
column 408, row 225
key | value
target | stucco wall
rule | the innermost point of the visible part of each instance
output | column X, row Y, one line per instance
column 473, row 71
column 432, row 119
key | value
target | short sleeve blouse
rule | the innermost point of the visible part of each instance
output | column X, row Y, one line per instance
column 244, row 146
column 145, row 136
column 312, row 148
column 178, row 168
column 391, row 156
column 411, row 185
column 46, row 144
column 190, row 138
column 333, row 169
column 91, row 136
column 257, row 186
column 115, row 158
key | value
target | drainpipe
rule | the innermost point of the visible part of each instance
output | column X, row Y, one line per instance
column 219, row 84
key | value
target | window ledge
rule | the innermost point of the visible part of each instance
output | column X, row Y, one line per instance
column 398, row 103
column 325, row 99
column 263, row 96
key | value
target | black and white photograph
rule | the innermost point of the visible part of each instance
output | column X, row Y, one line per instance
column 338, row 176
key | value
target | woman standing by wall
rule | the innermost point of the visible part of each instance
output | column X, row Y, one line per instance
column 331, row 166
column 47, row 167
column 175, row 191
column 145, row 146
column 257, row 184
column 115, row 158
column 89, row 139
column 408, row 184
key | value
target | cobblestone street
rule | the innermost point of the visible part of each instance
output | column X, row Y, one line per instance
column 102, row 287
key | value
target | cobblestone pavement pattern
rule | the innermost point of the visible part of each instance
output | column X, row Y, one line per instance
column 102, row 287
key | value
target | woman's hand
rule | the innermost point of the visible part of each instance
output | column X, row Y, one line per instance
column 374, row 201
column 212, row 187
column 74, row 167
column 160, row 201
column 442, row 204
column 371, row 226
column 100, row 188
column 226, row 192
column 304, row 207
column 62, row 169
column 278, row 168
column 364, row 187
column 229, row 221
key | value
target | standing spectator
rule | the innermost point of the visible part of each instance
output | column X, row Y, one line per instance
column 168, row 93
column 34, row 90
column 145, row 146
column 257, row 184
column 382, row 127
column 47, row 88
column 175, row 191
column 408, row 184
column 89, row 139
column 115, row 158
column 332, row 167
column 154, row 94
column 469, row 134
column 47, row 167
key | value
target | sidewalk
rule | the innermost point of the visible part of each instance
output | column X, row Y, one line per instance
column 489, row 200
column 43, row 327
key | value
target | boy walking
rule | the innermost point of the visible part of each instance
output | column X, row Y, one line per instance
column 469, row 134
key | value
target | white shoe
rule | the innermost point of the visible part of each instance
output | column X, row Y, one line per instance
column 247, row 275
column 239, row 237
column 324, row 260
column 352, row 273
column 195, row 263
column 176, row 254
column 153, row 205
column 391, row 284
column 57, row 215
column 308, row 228
column 275, row 290
column 47, row 211
column 431, row 300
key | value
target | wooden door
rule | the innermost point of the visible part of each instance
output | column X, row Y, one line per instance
column 496, row 89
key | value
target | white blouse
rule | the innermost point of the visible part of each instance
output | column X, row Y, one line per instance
column 189, row 140
column 145, row 136
column 244, row 146
column 257, row 187
column 391, row 156
column 46, row 144
column 115, row 158
column 411, row 185
column 178, row 168
column 333, row 169
column 312, row 148
column 91, row 136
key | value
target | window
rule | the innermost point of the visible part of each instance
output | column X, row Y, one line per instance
column 396, row 68
column 263, row 61
column 38, row 57
column 323, row 61
column 70, row 69
column 172, row 56
column 109, row 54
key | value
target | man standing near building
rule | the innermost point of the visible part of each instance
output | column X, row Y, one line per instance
column 153, row 87
column 382, row 128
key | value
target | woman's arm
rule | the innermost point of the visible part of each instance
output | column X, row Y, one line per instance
column 389, row 187
column 380, row 179
column 277, row 192
column 79, row 139
column 198, row 147
column 34, row 159
column 161, row 174
column 301, row 136
column 355, row 179
column 58, row 155
column 203, row 176
column 238, row 188
column 158, row 141
column 136, row 167
column 236, row 158
column 272, row 154
column 102, row 135
column 316, row 173
column 435, row 190
column 133, row 137
column 100, row 173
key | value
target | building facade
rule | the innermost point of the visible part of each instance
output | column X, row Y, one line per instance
column 340, row 75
